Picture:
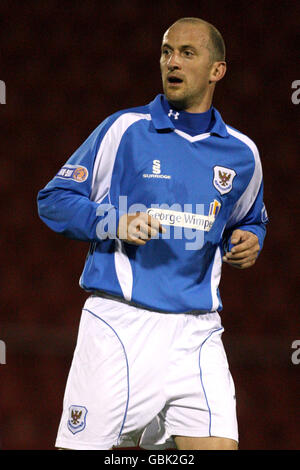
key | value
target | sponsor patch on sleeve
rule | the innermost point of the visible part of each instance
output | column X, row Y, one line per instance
column 76, row 173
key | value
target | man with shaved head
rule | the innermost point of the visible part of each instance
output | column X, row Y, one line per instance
column 193, row 51
column 164, row 194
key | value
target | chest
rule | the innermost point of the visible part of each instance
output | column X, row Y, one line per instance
column 172, row 169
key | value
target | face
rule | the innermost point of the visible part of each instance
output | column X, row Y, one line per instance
column 188, row 73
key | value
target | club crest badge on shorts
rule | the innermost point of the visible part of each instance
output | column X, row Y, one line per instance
column 77, row 418
column 223, row 179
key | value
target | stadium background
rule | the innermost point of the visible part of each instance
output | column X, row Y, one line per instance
column 69, row 64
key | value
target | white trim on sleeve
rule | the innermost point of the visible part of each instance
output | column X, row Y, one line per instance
column 245, row 202
column 105, row 159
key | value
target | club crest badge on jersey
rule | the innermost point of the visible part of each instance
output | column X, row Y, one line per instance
column 223, row 179
column 77, row 418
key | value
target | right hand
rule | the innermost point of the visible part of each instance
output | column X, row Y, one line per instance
column 138, row 228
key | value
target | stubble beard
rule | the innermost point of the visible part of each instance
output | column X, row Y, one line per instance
column 176, row 98
column 184, row 99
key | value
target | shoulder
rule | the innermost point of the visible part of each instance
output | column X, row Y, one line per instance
column 243, row 140
column 248, row 154
column 129, row 115
column 117, row 123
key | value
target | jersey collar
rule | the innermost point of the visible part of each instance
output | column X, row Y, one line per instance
column 163, row 123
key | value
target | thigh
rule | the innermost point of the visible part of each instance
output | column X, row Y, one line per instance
column 201, row 394
column 205, row 443
column 113, row 387
column 97, row 390
column 203, row 402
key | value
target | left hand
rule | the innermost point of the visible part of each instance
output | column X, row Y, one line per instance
column 245, row 250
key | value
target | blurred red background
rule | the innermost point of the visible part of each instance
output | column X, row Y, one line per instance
column 68, row 65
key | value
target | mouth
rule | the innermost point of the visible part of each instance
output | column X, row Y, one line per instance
column 174, row 80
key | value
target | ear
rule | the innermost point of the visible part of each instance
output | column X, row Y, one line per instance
column 218, row 71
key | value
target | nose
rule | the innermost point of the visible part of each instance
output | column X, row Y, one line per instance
column 173, row 62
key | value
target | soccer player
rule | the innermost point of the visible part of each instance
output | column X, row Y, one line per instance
column 164, row 193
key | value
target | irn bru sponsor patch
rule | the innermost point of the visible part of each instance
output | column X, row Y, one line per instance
column 76, row 173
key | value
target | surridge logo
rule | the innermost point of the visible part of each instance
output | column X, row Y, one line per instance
column 156, row 171
column 156, row 167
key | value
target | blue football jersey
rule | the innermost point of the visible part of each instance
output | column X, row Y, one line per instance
column 199, row 186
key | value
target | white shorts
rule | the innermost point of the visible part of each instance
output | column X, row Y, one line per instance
column 140, row 378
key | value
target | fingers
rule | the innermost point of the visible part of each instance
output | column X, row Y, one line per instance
column 139, row 228
column 245, row 250
column 242, row 263
column 148, row 228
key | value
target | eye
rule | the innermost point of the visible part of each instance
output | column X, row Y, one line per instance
column 188, row 53
column 165, row 52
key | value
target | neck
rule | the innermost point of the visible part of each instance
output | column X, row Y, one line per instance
column 191, row 122
column 199, row 104
column 198, row 108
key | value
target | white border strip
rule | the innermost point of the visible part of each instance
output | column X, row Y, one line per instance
column 215, row 278
column 106, row 156
column 245, row 202
column 123, row 270
column 191, row 138
column 102, row 174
